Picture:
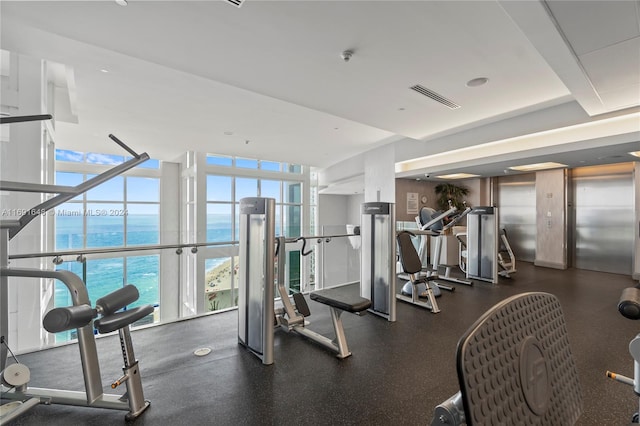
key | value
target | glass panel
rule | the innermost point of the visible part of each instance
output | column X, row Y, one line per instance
column 293, row 221
column 105, row 225
column 143, row 189
column 219, row 222
column 104, row 276
column 143, row 224
column 293, row 168
column 111, row 190
column 219, row 188
column 219, row 161
column 246, row 163
column 271, row 189
column 143, row 272
column 294, row 271
column 108, row 159
column 73, row 156
column 340, row 257
column 246, row 187
column 236, row 228
column 62, row 298
column 278, row 220
column 270, row 165
column 149, row 164
column 293, row 192
column 69, row 226
column 219, row 278
column 70, row 179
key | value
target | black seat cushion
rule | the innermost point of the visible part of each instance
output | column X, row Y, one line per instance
column 118, row 320
column 344, row 298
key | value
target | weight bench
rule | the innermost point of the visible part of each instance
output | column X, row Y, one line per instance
column 339, row 300
column 110, row 319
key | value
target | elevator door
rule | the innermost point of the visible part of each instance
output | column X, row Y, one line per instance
column 517, row 213
column 604, row 218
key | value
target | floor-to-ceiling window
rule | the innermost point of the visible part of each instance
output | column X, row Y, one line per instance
column 121, row 212
column 228, row 181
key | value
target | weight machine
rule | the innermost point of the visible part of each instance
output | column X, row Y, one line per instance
column 16, row 376
column 629, row 307
column 489, row 253
column 260, row 251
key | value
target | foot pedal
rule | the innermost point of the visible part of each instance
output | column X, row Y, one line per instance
column 301, row 304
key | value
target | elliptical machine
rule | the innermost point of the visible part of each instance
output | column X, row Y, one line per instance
column 629, row 307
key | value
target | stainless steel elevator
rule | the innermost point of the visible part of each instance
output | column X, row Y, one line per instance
column 517, row 214
column 603, row 219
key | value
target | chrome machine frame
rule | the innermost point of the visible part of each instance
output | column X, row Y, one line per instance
column 257, row 316
column 93, row 395
column 378, row 254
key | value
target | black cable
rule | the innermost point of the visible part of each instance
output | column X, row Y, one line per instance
column 9, row 349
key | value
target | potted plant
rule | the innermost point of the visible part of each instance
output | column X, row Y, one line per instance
column 449, row 191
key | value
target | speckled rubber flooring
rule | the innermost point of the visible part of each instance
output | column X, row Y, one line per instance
column 397, row 374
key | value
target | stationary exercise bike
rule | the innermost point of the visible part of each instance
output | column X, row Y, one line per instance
column 629, row 307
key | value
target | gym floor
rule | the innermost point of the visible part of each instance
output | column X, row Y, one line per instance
column 397, row 374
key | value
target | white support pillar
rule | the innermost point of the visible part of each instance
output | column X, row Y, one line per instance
column 26, row 296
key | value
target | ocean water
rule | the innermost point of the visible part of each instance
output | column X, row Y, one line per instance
column 105, row 275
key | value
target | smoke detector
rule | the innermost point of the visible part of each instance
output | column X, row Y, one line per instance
column 346, row 55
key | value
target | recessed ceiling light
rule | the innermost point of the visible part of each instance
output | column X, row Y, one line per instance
column 457, row 176
column 228, row 133
column 538, row 166
column 475, row 82
column 122, row 2
column 635, row 153
column 104, row 70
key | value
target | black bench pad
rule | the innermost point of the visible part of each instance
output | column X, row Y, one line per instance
column 118, row 320
column 345, row 298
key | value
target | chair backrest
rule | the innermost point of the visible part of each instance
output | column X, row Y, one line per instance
column 515, row 365
column 409, row 258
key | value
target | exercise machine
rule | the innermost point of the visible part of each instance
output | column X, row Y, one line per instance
column 81, row 315
column 489, row 253
column 629, row 307
column 506, row 258
column 16, row 376
column 442, row 244
column 377, row 258
column 419, row 282
column 260, row 252
column 291, row 317
column 429, row 223
column 510, row 374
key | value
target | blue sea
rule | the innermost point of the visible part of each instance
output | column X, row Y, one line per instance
column 105, row 275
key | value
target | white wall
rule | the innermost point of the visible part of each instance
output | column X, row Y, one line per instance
column 169, row 234
column 380, row 174
column 334, row 260
column 21, row 161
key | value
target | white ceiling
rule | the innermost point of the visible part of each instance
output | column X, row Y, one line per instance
column 182, row 74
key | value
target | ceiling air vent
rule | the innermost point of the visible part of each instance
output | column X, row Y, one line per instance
column 436, row 97
column 236, row 3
